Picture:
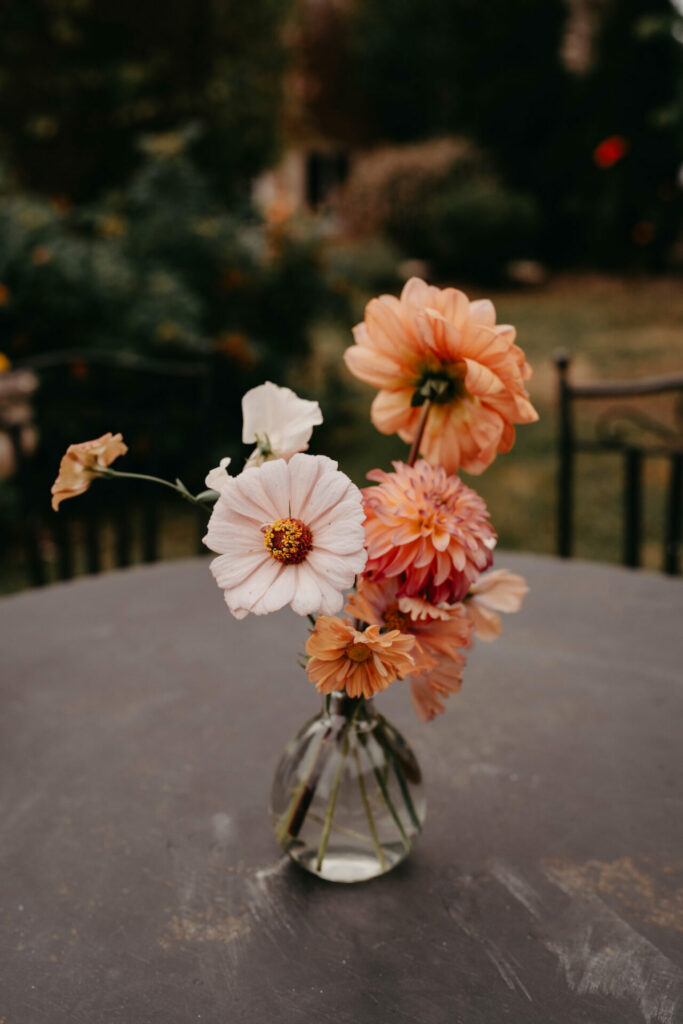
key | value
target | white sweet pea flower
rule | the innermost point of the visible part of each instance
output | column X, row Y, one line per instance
column 278, row 422
column 218, row 477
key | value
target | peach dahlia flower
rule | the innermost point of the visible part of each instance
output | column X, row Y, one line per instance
column 82, row 462
column 429, row 529
column 361, row 662
column 287, row 533
column 434, row 343
column 499, row 591
column 441, row 635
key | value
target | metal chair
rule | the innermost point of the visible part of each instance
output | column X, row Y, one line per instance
column 161, row 407
column 636, row 436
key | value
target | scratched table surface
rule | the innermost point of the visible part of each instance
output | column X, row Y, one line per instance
column 140, row 881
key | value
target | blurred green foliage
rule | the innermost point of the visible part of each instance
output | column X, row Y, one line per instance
column 161, row 268
column 159, row 265
column 442, row 201
column 477, row 229
column 82, row 80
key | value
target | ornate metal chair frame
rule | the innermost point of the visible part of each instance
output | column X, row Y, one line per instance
column 612, row 435
column 34, row 518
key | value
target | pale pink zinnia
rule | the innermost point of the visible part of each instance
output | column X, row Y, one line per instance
column 287, row 533
column 499, row 591
column 429, row 529
column 434, row 343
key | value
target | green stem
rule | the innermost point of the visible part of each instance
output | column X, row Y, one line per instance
column 178, row 487
column 291, row 821
column 329, row 814
column 295, row 815
column 385, row 793
column 400, row 777
column 417, row 441
column 368, row 811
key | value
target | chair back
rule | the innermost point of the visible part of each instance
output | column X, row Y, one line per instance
column 162, row 408
column 634, row 434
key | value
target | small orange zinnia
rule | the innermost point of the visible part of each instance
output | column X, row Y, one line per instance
column 435, row 344
column 429, row 528
column 82, row 462
column 361, row 662
column 441, row 635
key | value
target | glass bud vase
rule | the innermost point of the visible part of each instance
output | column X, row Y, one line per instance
column 347, row 802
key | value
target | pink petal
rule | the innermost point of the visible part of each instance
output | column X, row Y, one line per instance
column 249, row 593
column 273, row 478
column 303, row 476
column 279, row 593
column 338, row 571
column 308, row 596
column 487, row 624
column 501, row 590
column 232, row 570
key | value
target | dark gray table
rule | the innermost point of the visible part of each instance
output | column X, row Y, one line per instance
column 140, row 881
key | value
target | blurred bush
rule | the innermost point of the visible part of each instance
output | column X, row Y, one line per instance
column 162, row 268
column 363, row 265
column 389, row 187
column 81, row 81
column 477, row 229
column 441, row 201
column 542, row 86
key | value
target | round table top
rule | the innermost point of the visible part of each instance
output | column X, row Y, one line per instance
column 141, row 882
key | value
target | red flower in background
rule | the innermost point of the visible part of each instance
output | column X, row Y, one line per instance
column 610, row 151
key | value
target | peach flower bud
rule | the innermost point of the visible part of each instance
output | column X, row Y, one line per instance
column 82, row 463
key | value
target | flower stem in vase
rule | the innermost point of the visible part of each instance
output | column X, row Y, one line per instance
column 398, row 765
column 368, row 811
column 293, row 819
column 381, row 782
column 295, row 816
column 329, row 814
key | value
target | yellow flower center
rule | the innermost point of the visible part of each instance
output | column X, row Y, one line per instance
column 359, row 652
column 288, row 540
column 395, row 619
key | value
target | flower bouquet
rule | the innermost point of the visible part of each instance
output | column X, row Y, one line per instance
column 392, row 578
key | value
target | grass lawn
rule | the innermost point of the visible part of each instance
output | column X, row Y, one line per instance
column 613, row 328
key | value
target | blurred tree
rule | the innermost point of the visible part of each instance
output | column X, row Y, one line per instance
column 492, row 71
column 426, row 67
column 160, row 268
column 81, row 80
column 540, row 84
column 623, row 141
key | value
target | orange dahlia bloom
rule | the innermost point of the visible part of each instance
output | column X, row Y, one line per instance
column 429, row 529
column 440, row 634
column 82, row 462
column 435, row 344
column 362, row 663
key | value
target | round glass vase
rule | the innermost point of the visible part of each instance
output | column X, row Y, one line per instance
column 347, row 802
